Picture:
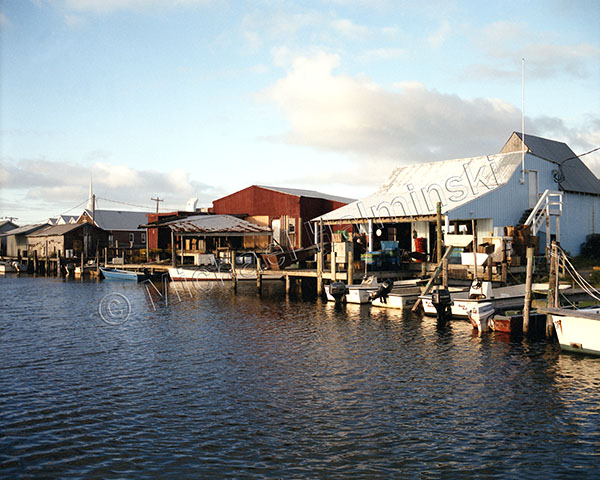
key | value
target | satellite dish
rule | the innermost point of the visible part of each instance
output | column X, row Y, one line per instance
column 190, row 206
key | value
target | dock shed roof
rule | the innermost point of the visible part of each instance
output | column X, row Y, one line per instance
column 572, row 174
column 25, row 229
column 412, row 191
column 59, row 230
column 308, row 193
column 117, row 220
column 216, row 226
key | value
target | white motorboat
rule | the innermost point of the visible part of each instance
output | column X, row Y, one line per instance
column 577, row 330
column 360, row 293
column 401, row 297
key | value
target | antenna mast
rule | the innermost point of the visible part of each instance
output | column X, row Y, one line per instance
column 523, row 120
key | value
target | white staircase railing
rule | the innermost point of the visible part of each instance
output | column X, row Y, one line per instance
column 549, row 204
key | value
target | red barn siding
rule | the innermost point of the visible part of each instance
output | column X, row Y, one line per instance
column 258, row 201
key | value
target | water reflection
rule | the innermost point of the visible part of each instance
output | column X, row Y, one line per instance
column 217, row 384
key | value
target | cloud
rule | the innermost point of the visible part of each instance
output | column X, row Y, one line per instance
column 384, row 54
column 105, row 6
column 53, row 186
column 348, row 28
column 358, row 118
column 545, row 58
column 437, row 39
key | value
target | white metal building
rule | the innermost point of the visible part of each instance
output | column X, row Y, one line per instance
column 495, row 190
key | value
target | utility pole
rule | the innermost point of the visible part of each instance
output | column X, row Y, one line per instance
column 157, row 200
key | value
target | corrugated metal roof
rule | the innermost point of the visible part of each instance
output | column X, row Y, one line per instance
column 577, row 176
column 25, row 229
column 308, row 193
column 216, row 225
column 115, row 220
column 58, row 230
column 414, row 190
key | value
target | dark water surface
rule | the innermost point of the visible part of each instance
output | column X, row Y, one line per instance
column 223, row 385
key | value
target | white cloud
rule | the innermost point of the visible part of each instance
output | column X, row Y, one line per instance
column 47, row 187
column 356, row 117
column 544, row 56
column 104, row 6
column 348, row 28
column 437, row 39
column 384, row 54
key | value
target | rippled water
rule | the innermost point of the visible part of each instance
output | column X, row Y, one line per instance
column 237, row 385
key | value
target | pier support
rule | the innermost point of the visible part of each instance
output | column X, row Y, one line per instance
column 350, row 260
column 552, row 301
column 528, row 281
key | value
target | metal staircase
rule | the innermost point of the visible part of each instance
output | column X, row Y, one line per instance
column 549, row 205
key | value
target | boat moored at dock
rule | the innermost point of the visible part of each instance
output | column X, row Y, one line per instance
column 577, row 330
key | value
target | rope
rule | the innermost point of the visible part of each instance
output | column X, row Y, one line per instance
column 582, row 282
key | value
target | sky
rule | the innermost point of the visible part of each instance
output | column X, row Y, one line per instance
column 201, row 98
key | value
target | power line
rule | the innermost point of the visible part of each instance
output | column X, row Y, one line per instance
column 146, row 207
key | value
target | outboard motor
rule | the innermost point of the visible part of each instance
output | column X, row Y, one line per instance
column 338, row 291
column 440, row 298
column 383, row 291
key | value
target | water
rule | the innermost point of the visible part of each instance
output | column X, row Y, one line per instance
column 242, row 386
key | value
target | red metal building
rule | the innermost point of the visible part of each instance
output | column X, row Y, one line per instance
column 286, row 210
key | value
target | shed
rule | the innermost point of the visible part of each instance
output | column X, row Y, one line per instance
column 197, row 235
column 78, row 238
column 286, row 211
column 491, row 189
column 16, row 239
column 5, row 226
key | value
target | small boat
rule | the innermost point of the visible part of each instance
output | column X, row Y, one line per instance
column 7, row 267
column 577, row 330
column 369, row 287
column 480, row 315
column 356, row 293
column 124, row 275
column 401, row 295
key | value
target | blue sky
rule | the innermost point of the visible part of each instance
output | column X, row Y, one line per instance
column 200, row 98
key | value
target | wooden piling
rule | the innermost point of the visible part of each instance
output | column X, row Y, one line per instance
column 234, row 279
column 552, row 300
column 320, row 260
column 528, row 282
column 333, row 266
column 474, row 227
column 438, row 232
column 350, row 260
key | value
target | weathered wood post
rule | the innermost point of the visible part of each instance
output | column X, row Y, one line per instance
column 445, row 272
column 528, row 281
column 258, row 276
column 333, row 266
column 234, row 279
column 35, row 261
column 350, row 260
column 58, row 265
column 288, row 284
column 438, row 232
column 320, row 261
column 474, row 227
column 173, row 256
column 552, row 300
column 489, row 268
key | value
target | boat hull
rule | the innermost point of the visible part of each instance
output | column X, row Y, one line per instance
column 577, row 330
column 355, row 294
column 121, row 275
column 400, row 301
